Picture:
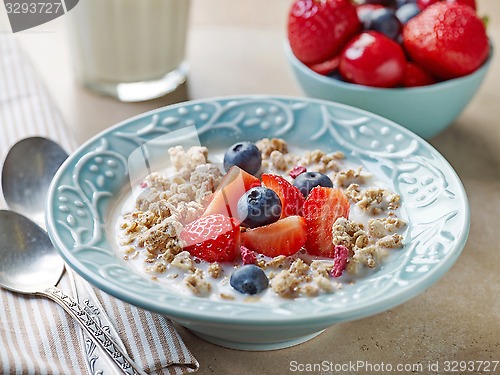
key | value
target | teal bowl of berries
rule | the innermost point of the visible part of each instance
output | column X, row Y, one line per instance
column 416, row 62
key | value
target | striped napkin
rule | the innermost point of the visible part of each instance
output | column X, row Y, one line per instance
column 36, row 335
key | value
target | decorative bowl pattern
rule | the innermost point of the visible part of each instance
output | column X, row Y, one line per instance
column 434, row 201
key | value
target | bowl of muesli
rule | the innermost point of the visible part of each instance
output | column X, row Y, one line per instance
column 259, row 221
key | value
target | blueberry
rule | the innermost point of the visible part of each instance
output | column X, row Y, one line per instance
column 259, row 206
column 400, row 3
column 407, row 12
column 384, row 21
column 336, row 75
column 245, row 155
column 306, row 181
column 364, row 15
column 386, row 3
column 249, row 279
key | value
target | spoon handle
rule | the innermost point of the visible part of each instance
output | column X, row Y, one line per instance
column 94, row 330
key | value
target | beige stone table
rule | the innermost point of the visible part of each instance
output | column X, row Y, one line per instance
column 235, row 47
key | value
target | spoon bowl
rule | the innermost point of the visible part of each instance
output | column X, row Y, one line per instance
column 28, row 170
column 28, row 260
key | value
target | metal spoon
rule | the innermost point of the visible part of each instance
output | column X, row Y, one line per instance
column 27, row 172
column 30, row 264
column 28, row 169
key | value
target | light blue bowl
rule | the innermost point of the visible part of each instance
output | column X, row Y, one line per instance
column 426, row 110
column 86, row 188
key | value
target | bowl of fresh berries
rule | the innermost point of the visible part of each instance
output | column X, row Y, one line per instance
column 416, row 62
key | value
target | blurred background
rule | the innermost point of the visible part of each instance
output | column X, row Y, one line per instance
column 233, row 48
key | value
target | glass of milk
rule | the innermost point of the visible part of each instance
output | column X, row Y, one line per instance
column 133, row 50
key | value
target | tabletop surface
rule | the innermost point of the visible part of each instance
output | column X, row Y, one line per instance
column 235, row 47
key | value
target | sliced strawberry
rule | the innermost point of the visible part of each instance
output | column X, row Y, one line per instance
column 322, row 207
column 214, row 238
column 283, row 237
column 291, row 197
column 225, row 199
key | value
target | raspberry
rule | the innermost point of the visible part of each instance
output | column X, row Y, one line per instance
column 247, row 255
column 340, row 256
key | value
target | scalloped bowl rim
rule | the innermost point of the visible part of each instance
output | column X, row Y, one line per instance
column 349, row 313
column 363, row 88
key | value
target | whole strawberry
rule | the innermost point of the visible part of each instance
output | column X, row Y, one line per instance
column 372, row 59
column 414, row 76
column 422, row 4
column 447, row 40
column 471, row 3
column 317, row 29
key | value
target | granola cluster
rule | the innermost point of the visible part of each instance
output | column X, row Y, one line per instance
column 276, row 156
column 305, row 279
column 151, row 231
column 373, row 200
column 166, row 203
column 365, row 249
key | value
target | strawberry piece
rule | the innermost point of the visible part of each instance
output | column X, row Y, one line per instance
column 321, row 209
column 283, row 237
column 447, row 40
column 415, row 76
column 247, row 255
column 326, row 67
column 340, row 256
column 291, row 197
column 318, row 29
column 225, row 199
column 297, row 170
column 214, row 238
